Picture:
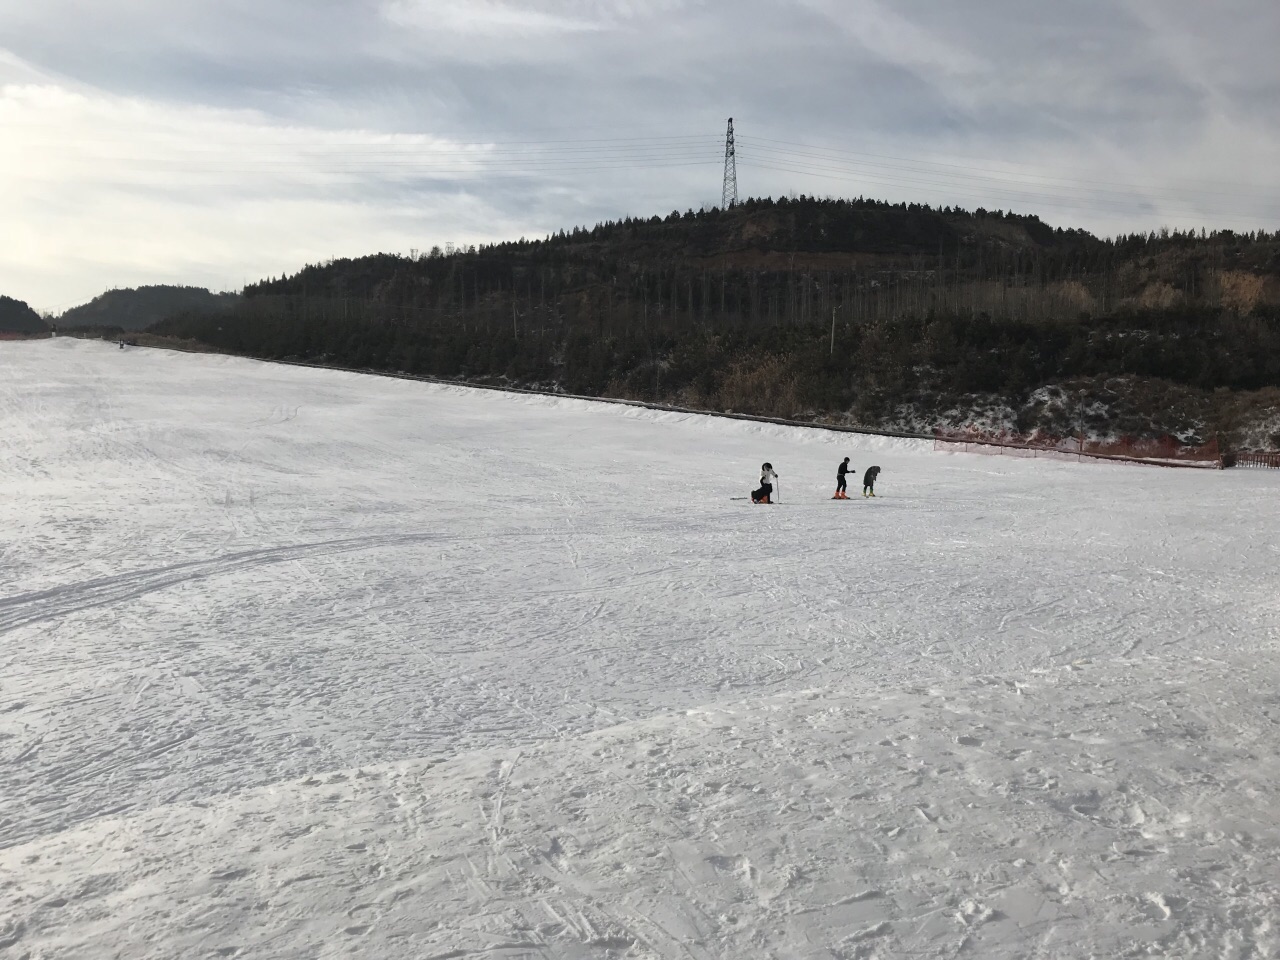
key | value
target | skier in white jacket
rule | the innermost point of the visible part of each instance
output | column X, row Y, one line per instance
column 767, row 476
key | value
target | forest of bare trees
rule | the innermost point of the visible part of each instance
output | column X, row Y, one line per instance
column 805, row 307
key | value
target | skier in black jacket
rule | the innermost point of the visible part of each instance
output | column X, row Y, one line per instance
column 869, row 481
column 841, row 482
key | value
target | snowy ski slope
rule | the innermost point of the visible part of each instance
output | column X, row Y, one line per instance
column 298, row 663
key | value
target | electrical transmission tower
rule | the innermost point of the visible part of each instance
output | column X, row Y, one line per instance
column 729, row 193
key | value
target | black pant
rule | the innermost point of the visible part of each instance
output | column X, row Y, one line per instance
column 869, row 488
column 840, row 483
column 764, row 491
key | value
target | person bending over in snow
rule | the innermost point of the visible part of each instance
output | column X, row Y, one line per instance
column 869, row 481
column 767, row 476
column 841, row 482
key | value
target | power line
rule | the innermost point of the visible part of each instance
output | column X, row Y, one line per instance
column 480, row 162
column 987, row 164
column 941, row 169
column 346, row 161
column 1031, row 199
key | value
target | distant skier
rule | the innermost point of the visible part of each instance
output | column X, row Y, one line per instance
column 841, row 482
column 869, row 481
column 767, row 476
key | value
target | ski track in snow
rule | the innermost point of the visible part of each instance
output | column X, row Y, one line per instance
column 298, row 663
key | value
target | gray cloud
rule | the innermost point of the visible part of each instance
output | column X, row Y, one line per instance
column 1106, row 114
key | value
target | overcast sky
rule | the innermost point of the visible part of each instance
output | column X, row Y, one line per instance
column 216, row 143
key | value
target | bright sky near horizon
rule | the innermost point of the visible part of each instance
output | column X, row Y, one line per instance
column 215, row 144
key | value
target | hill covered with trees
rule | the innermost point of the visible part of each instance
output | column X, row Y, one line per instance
column 17, row 317
column 141, row 307
column 851, row 311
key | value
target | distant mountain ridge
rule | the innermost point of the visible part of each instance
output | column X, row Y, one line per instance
column 17, row 317
column 140, row 307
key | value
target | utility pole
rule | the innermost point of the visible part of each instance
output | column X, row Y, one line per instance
column 729, row 191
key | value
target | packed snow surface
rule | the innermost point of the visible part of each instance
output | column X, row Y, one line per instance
column 298, row 663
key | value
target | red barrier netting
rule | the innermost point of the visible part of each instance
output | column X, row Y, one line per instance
column 1162, row 451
